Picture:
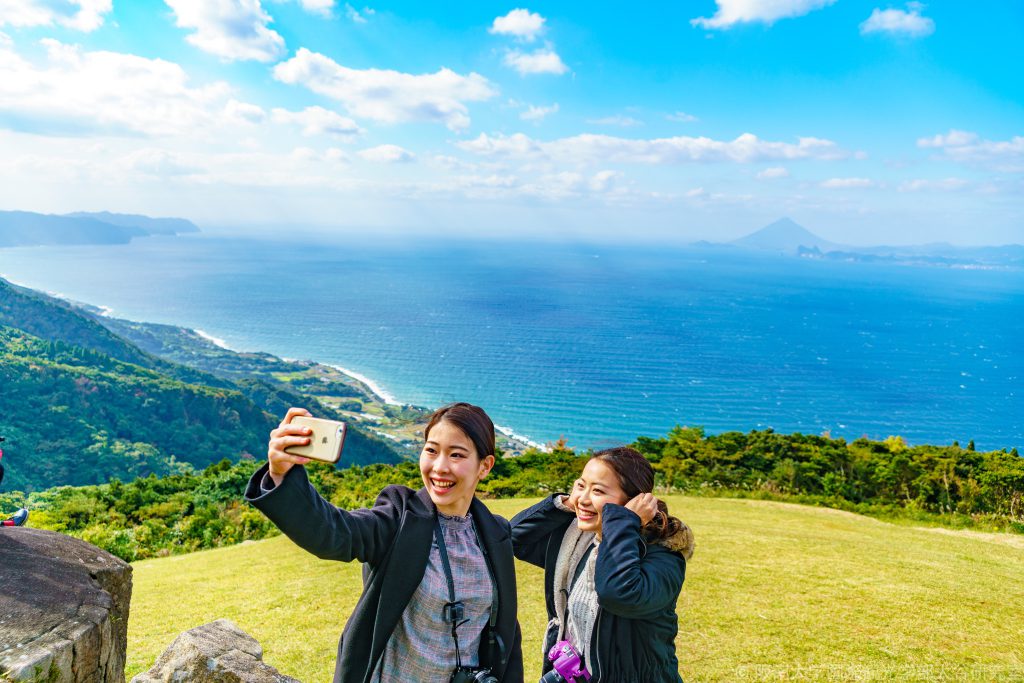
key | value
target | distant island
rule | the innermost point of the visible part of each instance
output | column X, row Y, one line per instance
column 786, row 237
column 28, row 229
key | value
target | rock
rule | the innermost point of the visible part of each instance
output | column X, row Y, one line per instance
column 218, row 652
column 63, row 609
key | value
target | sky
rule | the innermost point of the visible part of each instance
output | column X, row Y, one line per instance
column 666, row 122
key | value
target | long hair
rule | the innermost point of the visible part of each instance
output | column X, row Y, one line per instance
column 473, row 422
column 636, row 476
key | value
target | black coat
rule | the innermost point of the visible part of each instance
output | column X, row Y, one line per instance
column 393, row 540
column 637, row 586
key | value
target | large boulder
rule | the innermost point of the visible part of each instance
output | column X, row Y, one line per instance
column 218, row 652
column 63, row 609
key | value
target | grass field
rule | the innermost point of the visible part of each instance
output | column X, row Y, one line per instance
column 774, row 592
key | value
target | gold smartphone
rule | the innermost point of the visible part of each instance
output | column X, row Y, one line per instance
column 325, row 441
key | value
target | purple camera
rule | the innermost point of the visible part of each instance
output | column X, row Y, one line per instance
column 567, row 665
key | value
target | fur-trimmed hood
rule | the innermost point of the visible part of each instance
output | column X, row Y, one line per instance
column 681, row 542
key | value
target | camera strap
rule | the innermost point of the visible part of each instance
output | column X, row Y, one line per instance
column 454, row 610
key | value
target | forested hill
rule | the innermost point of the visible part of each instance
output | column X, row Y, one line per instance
column 81, row 405
column 52, row 319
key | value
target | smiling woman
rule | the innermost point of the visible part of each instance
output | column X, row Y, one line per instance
column 614, row 563
column 439, row 598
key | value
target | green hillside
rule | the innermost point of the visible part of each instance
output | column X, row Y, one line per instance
column 81, row 404
column 52, row 319
column 774, row 592
column 79, row 416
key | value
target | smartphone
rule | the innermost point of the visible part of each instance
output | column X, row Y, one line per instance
column 325, row 441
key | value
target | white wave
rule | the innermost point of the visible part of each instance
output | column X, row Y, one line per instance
column 213, row 340
column 16, row 283
column 382, row 393
column 512, row 434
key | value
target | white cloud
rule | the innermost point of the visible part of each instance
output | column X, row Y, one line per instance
column 925, row 185
column 241, row 113
column 336, row 155
column 542, row 61
column 521, row 23
column 746, row 148
column 533, row 113
column 773, row 173
column 493, row 181
column 80, row 15
column 602, row 181
column 617, row 120
column 955, row 138
column 682, row 117
column 321, row 7
column 158, row 163
column 356, row 16
column 388, row 96
column 847, row 183
column 319, row 121
column 910, row 22
column 731, row 12
column 387, row 154
column 230, row 29
column 77, row 92
column 969, row 148
column 701, row 197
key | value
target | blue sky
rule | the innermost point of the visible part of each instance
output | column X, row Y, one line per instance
column 866, row 122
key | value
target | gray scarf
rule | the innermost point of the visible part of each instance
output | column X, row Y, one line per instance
column 574, row 545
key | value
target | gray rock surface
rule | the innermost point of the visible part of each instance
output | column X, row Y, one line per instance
column 63, row 609
column 218, row 652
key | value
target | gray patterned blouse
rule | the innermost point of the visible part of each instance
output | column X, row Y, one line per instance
column 421, row 647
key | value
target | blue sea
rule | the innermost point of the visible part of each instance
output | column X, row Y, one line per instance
column 599, row 344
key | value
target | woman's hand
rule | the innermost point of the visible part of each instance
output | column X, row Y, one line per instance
column 645, row 506
column 284, row 436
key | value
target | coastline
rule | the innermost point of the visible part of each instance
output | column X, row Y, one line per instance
column 216, row 341
column 371, row 386
column 374, row 388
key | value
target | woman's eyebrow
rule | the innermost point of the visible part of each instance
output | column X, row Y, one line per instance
column 431, row 442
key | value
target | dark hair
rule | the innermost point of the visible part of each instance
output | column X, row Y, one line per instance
column 636, row 476
column 473, row 422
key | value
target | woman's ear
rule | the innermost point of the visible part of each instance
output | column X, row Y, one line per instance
column 485, row 466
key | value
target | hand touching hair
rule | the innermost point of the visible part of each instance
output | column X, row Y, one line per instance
column 636, row 476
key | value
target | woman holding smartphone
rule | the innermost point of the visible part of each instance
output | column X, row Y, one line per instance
column 614, row 563
column 439, row 596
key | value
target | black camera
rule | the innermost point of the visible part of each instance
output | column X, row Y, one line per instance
column 464, row 674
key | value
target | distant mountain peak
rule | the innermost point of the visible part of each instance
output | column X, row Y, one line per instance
column 784, row 235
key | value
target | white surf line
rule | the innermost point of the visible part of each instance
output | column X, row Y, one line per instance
column 512, row 434
column 378, row 391
column 214, row 340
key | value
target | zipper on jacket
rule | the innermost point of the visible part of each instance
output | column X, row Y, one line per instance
column 597, row 652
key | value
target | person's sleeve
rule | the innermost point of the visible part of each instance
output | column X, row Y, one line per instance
column 532, row 528
column 298, row 510
column 629, row 582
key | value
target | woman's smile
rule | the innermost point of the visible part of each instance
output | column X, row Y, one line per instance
column 442, row 486
column 451, row 468
column 597, row 485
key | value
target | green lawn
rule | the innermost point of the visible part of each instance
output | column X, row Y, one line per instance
column 774, row 592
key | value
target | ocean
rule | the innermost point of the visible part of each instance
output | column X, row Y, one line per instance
column 599, row 344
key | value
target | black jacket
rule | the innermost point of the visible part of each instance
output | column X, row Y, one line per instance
column 637, row 586
column 393, row 540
